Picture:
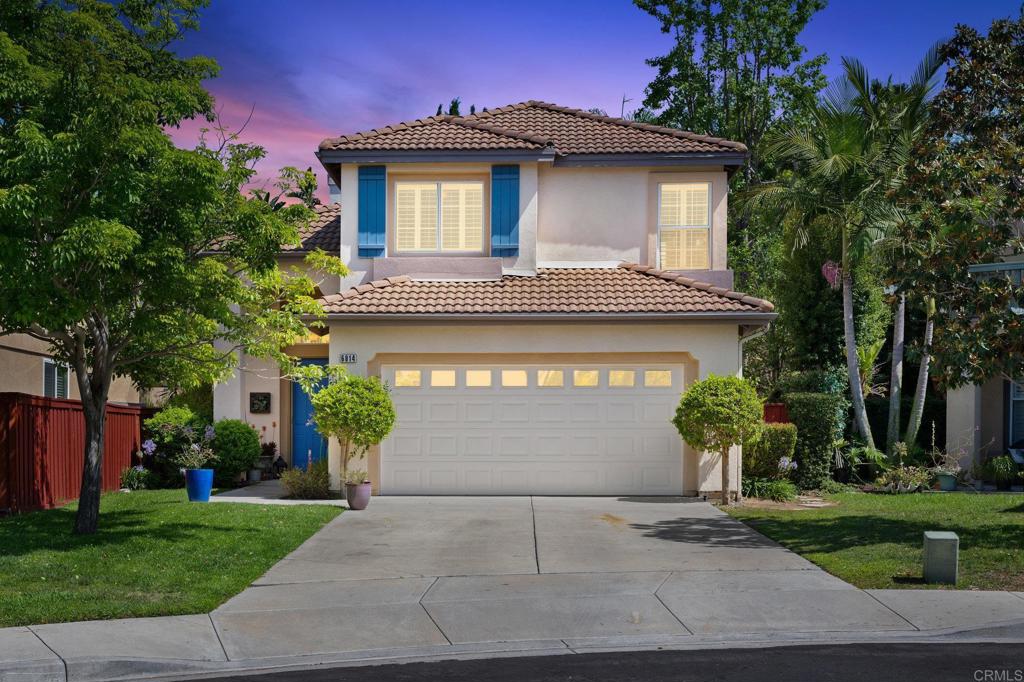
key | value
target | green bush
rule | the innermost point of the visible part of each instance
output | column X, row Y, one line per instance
column 778, row 490
column 198, row 399
column 820, row 420
column 311, row 484
column 237, row 446
column 1001, row 469
column 716, row 413
column 904, row 479
column 762, row 458
column 138, row 478
column 831, row 380
column 165, row 428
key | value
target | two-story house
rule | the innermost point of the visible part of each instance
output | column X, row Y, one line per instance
column 537, row 285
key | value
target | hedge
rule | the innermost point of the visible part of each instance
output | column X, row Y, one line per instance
column 820, row 420
column 761, row 460
column 237, row 446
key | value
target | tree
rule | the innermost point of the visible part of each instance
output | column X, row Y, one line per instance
column 356, row 410
column 965, row 196
column 453, row 108
column 128, row 256
column 716, row 414
column 734, row 69
column 291, row 184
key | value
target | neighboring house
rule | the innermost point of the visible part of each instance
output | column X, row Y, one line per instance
column 27, row 367
column 986, row 420
column 538, row 285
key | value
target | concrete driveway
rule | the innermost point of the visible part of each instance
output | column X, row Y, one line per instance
column 427, row 571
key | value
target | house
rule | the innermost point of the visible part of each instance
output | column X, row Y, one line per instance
column 538, row 285
column 985, row 420
column 26, row 366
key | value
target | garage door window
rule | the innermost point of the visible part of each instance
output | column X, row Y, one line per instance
column 658, row 378
column 514, row 378
column 621, row 378
column 478, row 378
column 550, row 378
column 407, row 378
column 586, row 378
column 442, row 378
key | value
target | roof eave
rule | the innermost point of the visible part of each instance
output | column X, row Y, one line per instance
column 758, row 317
column 727, row 159
column 333, row 156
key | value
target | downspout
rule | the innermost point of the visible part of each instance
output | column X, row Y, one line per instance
column 750, row 337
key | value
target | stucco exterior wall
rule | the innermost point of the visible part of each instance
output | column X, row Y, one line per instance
column 610, row 214
column 713, row 348
column 976, row 421
column 21, row 371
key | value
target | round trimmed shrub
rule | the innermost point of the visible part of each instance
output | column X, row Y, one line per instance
column 237, row 446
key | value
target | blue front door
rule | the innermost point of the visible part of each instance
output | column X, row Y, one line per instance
column 306, row 440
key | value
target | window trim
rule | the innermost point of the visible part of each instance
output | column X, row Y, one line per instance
column 67, row 378
column 1014, row 387
column 438, row 180
column 707, row 227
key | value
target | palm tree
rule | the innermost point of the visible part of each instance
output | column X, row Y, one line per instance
column 841, row 168
column 895, row 115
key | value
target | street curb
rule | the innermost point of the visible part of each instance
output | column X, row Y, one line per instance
column 122, row 669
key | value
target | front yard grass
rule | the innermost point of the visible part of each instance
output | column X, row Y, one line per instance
column 156, row 554
column 875, row 540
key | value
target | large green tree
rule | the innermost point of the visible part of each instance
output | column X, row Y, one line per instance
column 735, row 69
column 124, row 253
column 965, row 194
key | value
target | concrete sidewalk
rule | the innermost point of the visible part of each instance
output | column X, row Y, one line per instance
column 423, row 578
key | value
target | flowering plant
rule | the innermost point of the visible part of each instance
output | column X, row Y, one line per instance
column 197, row 452
column 787, row 465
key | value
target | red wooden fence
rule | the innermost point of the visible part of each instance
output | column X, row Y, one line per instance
column 41, row 445
column 776, row 413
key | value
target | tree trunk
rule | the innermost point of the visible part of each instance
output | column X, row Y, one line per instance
column 726, row 478
column 892, row 433
column 860, row 416
column 917, row 409
column 88, row 516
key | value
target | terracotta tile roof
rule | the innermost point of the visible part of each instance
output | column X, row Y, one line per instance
column 627, row 289
column 534, row 125
column 323, row 232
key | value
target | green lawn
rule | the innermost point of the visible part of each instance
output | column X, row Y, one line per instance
column 875, row 541
column 155, row 554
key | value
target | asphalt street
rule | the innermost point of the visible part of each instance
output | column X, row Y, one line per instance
column 956, row 662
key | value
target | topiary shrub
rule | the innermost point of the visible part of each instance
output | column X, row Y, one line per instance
column 237, row 446
column 356, row 410
column 717, row 413
column 768, row 457
column 311, row 484
column 820, row 420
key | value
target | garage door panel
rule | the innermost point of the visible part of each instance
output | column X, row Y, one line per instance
column 507, row 438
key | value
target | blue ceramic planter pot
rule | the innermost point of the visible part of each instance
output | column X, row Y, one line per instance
column 199, row 483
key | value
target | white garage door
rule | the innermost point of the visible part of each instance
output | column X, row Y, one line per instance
column 537, row 429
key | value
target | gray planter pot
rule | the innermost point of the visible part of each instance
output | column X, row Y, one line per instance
column 255, row 475
column 947, row 482
column 357, row 495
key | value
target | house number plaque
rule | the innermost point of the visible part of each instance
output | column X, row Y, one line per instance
column 347, row 358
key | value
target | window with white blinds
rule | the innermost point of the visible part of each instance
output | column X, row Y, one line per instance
column 55, row 379
column 439, row 216
column 684, row 226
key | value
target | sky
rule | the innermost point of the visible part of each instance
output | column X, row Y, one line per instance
column 310, row 69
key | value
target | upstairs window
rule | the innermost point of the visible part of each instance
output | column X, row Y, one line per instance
column 684, row 226
column 55, row 379
column 435, row 217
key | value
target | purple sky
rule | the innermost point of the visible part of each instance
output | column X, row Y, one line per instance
column 316, row 68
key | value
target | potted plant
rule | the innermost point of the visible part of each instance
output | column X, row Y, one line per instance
column 194, row 458
column 1002, row 470
column 358, row 412
column 946, row 470
column 357, row 489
